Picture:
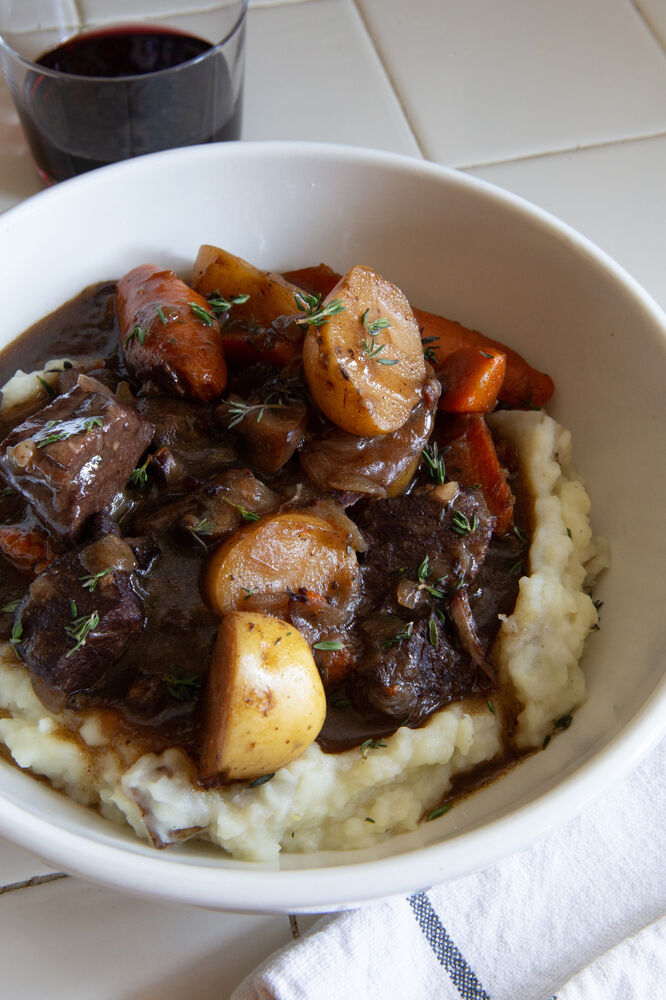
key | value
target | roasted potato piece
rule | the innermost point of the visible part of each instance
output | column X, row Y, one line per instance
column 365, row 366
column 281, row 555
column 216, row 270
column 264, row 702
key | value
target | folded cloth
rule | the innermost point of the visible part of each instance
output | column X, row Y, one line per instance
column 577, row 916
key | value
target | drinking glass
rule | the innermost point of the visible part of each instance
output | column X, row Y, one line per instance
column 127, row 77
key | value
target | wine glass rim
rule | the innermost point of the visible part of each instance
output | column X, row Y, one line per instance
column 60, row 75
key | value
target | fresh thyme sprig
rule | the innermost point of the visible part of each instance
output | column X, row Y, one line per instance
column 46, row 386
column 90, row 582
column 429, row 352
column 183, row 688
column 52, row 438
column 401, row 636
column 219, row 304
column 238, row 410
column 203, row 527
column 17, row 635
column 80, row 629
column 434, row 462
column 138, row 332
column 314, row 314
column 139, row 477
column 462, row 525
column 202, row 314
column 247, row 515
column 371, row 744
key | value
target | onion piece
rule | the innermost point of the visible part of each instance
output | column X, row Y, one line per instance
column 461, row 613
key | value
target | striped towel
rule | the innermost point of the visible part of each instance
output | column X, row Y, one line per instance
column 577, row 916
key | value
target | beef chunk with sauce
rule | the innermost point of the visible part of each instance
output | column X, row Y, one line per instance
column 77, row 619
column 72, row 457
column 423, row 550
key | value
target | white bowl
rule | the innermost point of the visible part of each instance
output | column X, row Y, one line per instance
column 458, row 246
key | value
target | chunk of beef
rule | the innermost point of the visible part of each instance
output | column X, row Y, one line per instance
column 77, row 619
column 409, row 669
column 422, row 550
column 401, row 532
column 196, row 447
column 72, row 457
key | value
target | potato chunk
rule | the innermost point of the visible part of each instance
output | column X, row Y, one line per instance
column 365, row 366
column 280, row 555
column 264, row 703
column 217, row 270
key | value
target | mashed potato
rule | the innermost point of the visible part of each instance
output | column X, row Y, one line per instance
column 352, row 799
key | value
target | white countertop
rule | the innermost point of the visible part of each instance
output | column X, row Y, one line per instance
column 563, row 103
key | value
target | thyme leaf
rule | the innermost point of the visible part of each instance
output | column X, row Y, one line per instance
column 436, row 813
column 46, row 386
column 89, row 583
column 434, row 463
column 202, row 314
column 136, row 331
column 461, row 523
column 262, row 781
column 371, row 744
column 395, row 640
column 80, row 629
column 91, row 422
column 139, row 477
column 329, row 646
column 17, row 634
column 314, row 314
column 52, row 438
column 219, row 304
column 10, row 608
column 183, row 688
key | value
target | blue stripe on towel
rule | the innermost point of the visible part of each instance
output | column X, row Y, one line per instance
column 447, row 954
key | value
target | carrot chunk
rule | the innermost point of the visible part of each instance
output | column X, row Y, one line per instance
column 471, row 380
column 472, row 460
column 523, row 385
column 28, row 551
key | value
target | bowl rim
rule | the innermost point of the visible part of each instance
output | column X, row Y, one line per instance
column 256, row 889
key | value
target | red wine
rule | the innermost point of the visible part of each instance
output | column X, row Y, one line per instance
column 128, row 90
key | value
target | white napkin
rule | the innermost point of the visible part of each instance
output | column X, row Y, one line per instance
column 577, row 916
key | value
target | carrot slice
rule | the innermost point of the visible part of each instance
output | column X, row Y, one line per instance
column 28, row 551
column 169, row 335
column 471, row 380
column 523, row 385
column 472, row 460
column 317, row 280
column 243, row 347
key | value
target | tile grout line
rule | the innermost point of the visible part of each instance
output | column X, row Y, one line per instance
column 30, row 882
column 388, row 76
column 647, row 137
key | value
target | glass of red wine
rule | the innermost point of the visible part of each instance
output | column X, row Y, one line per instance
column 105, row 80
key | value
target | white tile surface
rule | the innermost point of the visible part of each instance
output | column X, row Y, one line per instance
column 313, row 74
column 18, row 174
column 615, row 195
column 483, row 80
column 94, row 943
